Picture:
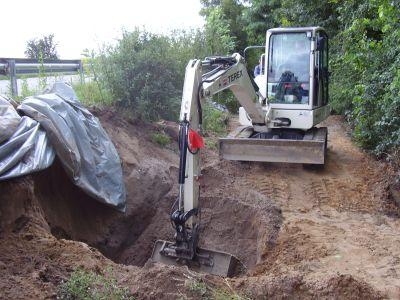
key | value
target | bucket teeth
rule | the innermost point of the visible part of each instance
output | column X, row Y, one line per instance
column 205, row 261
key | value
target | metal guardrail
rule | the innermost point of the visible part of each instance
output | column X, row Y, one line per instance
column 19, row 66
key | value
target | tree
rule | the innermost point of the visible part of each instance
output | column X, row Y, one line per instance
column 43, row 48
column 230, row 14
column 219, row 41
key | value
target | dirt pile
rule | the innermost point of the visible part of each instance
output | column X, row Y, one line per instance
column 301, row 233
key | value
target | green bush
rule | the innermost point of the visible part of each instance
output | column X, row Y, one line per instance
column 25, row 90
column 228, row 100
column 366, row 80
column 143, row 74
column 214, row 121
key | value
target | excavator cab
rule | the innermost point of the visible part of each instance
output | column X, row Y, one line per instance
column 298, row 60
column 296, row 74
column 294, row 88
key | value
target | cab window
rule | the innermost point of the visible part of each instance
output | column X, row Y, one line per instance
column 289, row 68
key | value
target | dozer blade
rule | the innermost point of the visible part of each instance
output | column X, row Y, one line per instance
column 205, row 261
column 310, row 150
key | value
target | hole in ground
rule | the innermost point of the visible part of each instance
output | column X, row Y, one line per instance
column 228, row 224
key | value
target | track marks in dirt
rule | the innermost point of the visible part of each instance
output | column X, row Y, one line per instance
column 336, row 220
column 319, row 189
column 272, row 187
column 297, row 189
column 340, row 193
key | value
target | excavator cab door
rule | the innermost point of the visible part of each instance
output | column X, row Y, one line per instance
column 321, row 73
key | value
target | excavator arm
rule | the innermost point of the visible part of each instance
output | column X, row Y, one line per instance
column 233, row 75
column 225, row 73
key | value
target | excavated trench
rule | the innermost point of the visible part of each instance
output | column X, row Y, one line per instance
column 333, row 225
column 229, row 223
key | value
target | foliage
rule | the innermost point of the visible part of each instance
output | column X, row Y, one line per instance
column 91, row 90
column 42, row 74
column 230, row 13
column 90, row 93
column 160, row 138
column 227, row 100
column 43, row 48
column 215, row 121
column 365, row 84
column 90, row 285
column 25, row 90
column 144, row 72
column 218, row 38
column 364, row 56
column 204, row 291
column 260, row 16
column 197, row 286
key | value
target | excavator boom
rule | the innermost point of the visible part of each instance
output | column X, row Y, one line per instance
column 185, row 218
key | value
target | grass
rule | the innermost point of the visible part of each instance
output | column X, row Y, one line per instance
column 89, row 93
column 92, row 94
column 84, row 284
column 25, row 90
column 211, row 143
column 201, row 290
column 197, row 286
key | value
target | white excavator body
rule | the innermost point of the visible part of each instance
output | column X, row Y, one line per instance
column 280, row 109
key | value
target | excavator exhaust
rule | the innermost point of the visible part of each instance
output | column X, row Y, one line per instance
column 204, row 261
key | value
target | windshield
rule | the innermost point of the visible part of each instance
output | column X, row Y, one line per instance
column 289, row 68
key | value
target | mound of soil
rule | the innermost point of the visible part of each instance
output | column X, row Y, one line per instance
column 301, row 234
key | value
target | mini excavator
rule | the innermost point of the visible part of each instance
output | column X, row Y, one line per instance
column 279, row 111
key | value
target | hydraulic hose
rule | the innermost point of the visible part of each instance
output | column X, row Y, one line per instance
column 183, row 146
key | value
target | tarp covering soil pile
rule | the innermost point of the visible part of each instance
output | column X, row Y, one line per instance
column 56, row 123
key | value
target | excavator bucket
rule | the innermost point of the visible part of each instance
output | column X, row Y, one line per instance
column 205, row 261
column 310, row 150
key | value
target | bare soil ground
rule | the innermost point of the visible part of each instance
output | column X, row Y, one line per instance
column 302, row 233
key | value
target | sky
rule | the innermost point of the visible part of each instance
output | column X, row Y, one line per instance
column 77, row 25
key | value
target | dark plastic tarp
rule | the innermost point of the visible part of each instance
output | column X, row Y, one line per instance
column 24, row 146
column 72, row 132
